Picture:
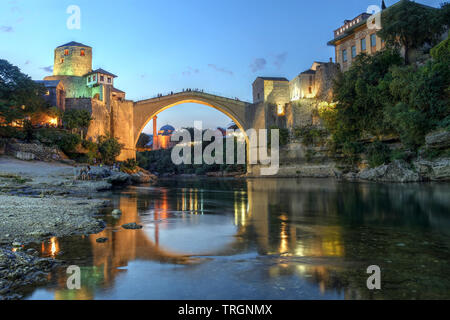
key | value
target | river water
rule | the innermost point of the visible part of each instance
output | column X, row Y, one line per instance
column 263, row 239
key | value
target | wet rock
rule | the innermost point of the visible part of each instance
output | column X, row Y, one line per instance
column 142, row 177
column 119, row 179
column 132, row 226
column 19, row 270
column 116, row 213
column 101, row 240
column 397, row 171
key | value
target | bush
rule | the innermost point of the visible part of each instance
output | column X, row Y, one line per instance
column 109, row 148
column 129, row 165
column 283, row 135
column 11, row 132
column 311, row 135
column 65, row 141
column 378, row 154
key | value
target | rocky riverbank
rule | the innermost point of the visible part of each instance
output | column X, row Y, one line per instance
column 314, row 161
column 40, row 200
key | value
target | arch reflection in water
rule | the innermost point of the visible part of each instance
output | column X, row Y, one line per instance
column 295, row 232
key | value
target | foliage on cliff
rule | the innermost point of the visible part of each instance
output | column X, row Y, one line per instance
column 412, row 25
column 380, row 95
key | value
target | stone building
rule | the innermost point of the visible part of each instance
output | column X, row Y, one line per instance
column 56, row 93
column 355, row 37
column 75, row 85
column 317, row 81
column 359, row 35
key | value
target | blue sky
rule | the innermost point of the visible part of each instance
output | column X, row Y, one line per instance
column 159, row 46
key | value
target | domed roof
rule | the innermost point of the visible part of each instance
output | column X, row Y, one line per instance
column 166, row 130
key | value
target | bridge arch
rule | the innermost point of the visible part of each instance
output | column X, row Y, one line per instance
column 145, row 110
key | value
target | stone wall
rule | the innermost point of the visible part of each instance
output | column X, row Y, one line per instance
column 300, row 113
column 325, row 74
column 101, row 120
column 122, row 127
column 73, row 64
column 276, row 92
column 255, row 116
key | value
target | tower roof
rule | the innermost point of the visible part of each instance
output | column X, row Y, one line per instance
column 74, row 44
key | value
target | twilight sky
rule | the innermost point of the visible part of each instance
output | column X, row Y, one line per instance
column 159, row 46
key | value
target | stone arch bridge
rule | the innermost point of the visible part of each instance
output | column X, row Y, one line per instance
column 130, row 118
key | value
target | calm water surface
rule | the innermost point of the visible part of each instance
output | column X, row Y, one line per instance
column 263, row 239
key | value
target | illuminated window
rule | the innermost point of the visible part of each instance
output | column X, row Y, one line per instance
column 280, row 110
column 66, row 52
column 363, row 44
column 82, row 53
column 47, row 93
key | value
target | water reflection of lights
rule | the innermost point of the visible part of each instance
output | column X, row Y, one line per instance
column 240, row 208
column 284, row 248
column 50, row 248
column 191, row 200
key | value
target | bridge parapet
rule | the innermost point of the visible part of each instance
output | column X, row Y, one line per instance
column 206, row 95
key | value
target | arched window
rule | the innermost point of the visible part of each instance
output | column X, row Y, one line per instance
column 82, row 53
column 66, row 52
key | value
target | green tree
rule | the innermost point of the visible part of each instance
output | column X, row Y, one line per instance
column 19, row 95
column 361, row 93
column 109, row 148
column 76, row 119
column 411, row 25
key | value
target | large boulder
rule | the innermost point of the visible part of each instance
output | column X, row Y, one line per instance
column 438, row 140
column 434, row 170
column 119, row 179
column 397, row 171
column 142, row 177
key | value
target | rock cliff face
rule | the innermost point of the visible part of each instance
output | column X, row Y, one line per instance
column 315, row 161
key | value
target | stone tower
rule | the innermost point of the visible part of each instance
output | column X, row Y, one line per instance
column 72, row 59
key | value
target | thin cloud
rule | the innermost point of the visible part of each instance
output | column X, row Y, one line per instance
column 27, row 62
column 48, row 69
column 280, row 59
column 220, row 69
column 258, row 64
column 190, row 71
column 6, row 29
